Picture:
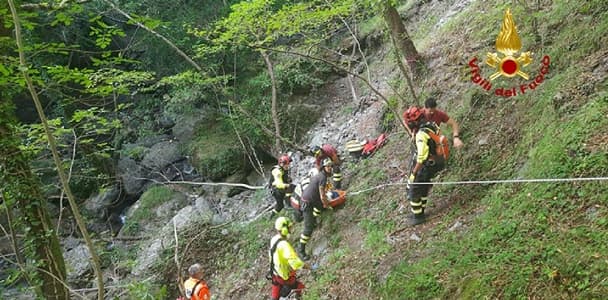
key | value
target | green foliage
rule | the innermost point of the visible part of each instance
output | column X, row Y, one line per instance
column 136, row 153
column 145, row 290
column 216, row 152
column 190, row 90
column 66, row 17
column 103, row 32
column 532, row 240
column 376, row 236
column 89, row 134
column 300, row 76
column 144, row 210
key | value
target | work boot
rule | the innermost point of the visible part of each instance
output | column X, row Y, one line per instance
column 416, row 219
column 273, row 214
column 302, row 251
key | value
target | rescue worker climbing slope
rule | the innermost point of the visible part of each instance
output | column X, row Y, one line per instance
column 426, row 162
column 328, row 151
column 314, row 199
column 280, row 184
column 431, row 113
column 284, row 262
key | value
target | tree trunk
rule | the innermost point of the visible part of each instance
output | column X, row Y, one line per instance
column 21, row 187
column 403, row 69
column 402, row 39
column 273, row 109
column 57, row 160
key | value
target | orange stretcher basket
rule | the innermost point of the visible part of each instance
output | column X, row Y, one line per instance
column 338, row 199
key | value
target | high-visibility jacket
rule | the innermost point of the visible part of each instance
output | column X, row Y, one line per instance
column 201, row 292
column 284, row 258
column 280, row 178
column 425, row 145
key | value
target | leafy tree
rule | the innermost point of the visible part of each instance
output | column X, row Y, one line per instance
column 265, row 25
column 21, row 187
column 88, row 103
column 45, row 270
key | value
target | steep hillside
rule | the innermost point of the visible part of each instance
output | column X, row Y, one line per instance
column 537, row 240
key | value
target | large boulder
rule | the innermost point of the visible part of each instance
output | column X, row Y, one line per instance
column 153, row 209
column 161, row 154
column 99, row 205
column 184, row 128
column 164, row 239
column 78, row 264
column 132, row 175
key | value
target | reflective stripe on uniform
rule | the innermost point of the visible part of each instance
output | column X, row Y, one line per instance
column 417, row 210
column 304, row 239
column 337, row 176
column 416, row 206
column 316, row 212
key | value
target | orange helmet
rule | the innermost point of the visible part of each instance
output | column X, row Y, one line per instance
column 284, row 160
column 412, row 114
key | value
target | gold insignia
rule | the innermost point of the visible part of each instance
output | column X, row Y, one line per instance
column 508, row 43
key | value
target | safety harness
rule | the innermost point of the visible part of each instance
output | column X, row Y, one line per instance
column 273, row 249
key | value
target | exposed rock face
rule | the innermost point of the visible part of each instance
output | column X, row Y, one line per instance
column 99, row 204
column 163, row 238
column 161, row 155
column 78, row 264
column 131, row 174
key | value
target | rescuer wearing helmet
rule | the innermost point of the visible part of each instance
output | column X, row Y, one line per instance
column 284, row 262
column 328, row 151
column 280, row 184
column 314, row 199
column 426, row 162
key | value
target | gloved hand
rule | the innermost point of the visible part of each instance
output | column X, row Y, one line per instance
column 410, row 180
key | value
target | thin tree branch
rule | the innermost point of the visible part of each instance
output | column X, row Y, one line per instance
column 266, row 130
column 158, row 35
column 242, row 185
column 178, row 264
column 56, row 158
column 5, row 258
column 273, row 100
column 336, row 66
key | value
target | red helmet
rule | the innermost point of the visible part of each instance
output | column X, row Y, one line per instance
column 412, row 114
column 284, row 160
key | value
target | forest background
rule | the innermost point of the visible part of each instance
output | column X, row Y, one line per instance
column 90, row 88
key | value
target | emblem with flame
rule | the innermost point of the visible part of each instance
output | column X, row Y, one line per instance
column 508, row 43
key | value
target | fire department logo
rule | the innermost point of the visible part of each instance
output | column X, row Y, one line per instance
column 509, row 62
column 508, row 43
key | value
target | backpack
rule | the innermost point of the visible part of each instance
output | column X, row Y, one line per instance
column 442, row 145
column 193, row 289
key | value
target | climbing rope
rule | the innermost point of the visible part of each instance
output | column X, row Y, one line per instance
column 485, row 182
column 381, row 186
